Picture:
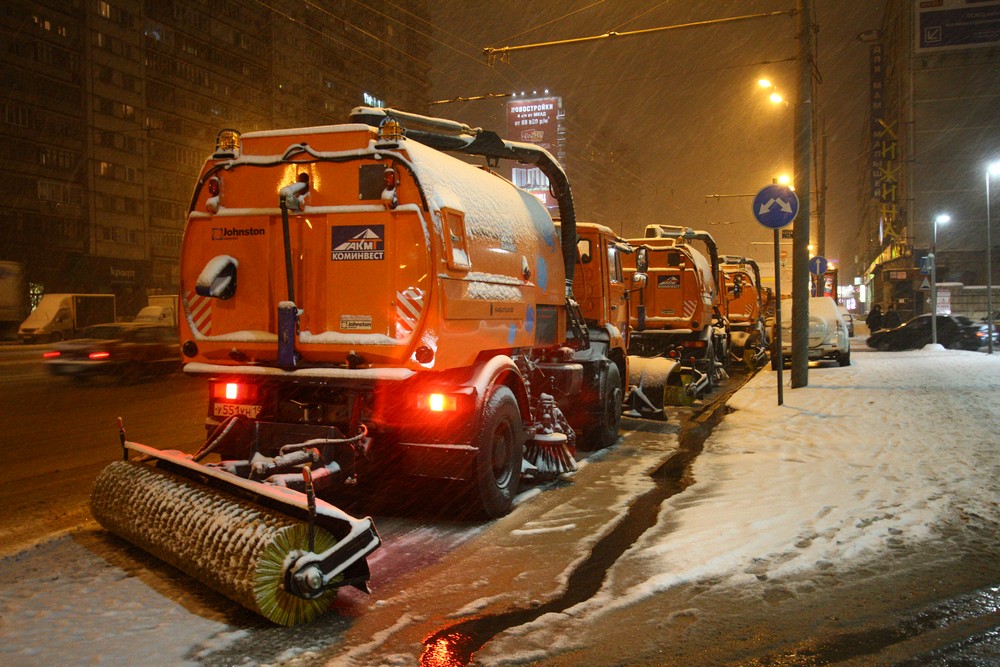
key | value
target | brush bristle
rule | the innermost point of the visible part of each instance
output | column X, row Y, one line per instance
column 231, row 545
column 551, row 456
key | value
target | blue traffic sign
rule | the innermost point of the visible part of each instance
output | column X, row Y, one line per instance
column 775, row 206
column 818, row 265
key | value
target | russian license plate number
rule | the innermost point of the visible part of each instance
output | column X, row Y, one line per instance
column 230, row 409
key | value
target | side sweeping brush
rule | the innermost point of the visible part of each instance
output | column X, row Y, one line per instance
column 236, row 547
column 549, row 454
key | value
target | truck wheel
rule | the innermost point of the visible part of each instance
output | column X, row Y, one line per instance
column 606, row 414
column 499, row 449
column 845, row 359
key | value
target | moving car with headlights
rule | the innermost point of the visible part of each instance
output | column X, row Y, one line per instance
column 952, row 333
column 828, row 338
column 130, row 351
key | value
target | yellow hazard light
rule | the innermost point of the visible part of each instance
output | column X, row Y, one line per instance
column 227, row 142
column 390, row 130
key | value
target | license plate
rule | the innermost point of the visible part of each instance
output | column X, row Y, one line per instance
column 230, row 409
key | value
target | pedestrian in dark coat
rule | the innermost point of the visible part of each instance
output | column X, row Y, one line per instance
column 874, row 319
column 891, row 319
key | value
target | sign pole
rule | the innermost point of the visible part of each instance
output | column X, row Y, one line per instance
column 775, row 206
column 777, row 317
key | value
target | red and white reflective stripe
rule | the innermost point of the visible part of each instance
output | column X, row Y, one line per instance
column 689, row 308
column 409, row 306
column 200, row 309
column 748, row 310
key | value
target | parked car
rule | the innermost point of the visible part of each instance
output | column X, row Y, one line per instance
column 914, row 334
column 848, row 320
column 828, row 337
column 129, row 351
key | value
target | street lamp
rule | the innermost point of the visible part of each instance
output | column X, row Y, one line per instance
column 774, row 96
column 993, row 169
column 942, row 219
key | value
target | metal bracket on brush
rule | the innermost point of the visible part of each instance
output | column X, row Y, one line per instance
column 121, row 438
column 311, row 500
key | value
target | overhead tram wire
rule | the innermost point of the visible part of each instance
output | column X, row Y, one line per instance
column 432, row 26
column 640, row 15
column 371, row 35
column 422, row 34
column 504, row 51
column 296, row 21
column 555, row 20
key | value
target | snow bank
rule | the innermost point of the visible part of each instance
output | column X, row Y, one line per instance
column 876, row 455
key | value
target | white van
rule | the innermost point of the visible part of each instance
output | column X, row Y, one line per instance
column 828, row 337
column 62, row 316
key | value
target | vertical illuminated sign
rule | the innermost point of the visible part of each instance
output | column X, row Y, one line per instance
column 535, row 121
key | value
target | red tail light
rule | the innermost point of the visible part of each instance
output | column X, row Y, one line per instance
column 98, row 356
column 234, row 391
column 454, row 400
column 53, row 354
column 694, row 343
column 438, row 402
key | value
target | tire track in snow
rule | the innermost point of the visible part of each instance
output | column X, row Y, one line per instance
column 455, row 645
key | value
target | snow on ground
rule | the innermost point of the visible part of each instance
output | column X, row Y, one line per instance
column 891, row 451
column 888, row 452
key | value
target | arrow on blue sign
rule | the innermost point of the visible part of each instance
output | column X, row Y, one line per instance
column 765, row 208
column 818, row 265
column 775, row 206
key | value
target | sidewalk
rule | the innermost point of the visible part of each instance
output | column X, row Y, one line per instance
column 897, row 452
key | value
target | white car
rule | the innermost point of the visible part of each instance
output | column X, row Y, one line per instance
column 848, row 320
column 828, row 337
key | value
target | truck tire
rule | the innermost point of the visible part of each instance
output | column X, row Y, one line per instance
column 606, row 413
column 499, row 446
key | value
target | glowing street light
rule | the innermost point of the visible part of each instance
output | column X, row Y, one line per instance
column 942, row 219
column 774, row 96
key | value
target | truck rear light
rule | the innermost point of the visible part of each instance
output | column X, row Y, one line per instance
column 389, row 178
column 52, row 354
column 441, row 403
column 98, row 356
column 234, row 391
column 694, row 343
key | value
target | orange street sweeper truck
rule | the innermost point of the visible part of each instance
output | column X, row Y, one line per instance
column 357, row 298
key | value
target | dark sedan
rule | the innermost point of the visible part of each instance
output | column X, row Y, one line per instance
column 916, row 333
column 130, row 351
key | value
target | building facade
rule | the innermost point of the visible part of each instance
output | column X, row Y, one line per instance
column 111, row 106
column 933, row 131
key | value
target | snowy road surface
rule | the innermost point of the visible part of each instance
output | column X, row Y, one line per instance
column 872, row 471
